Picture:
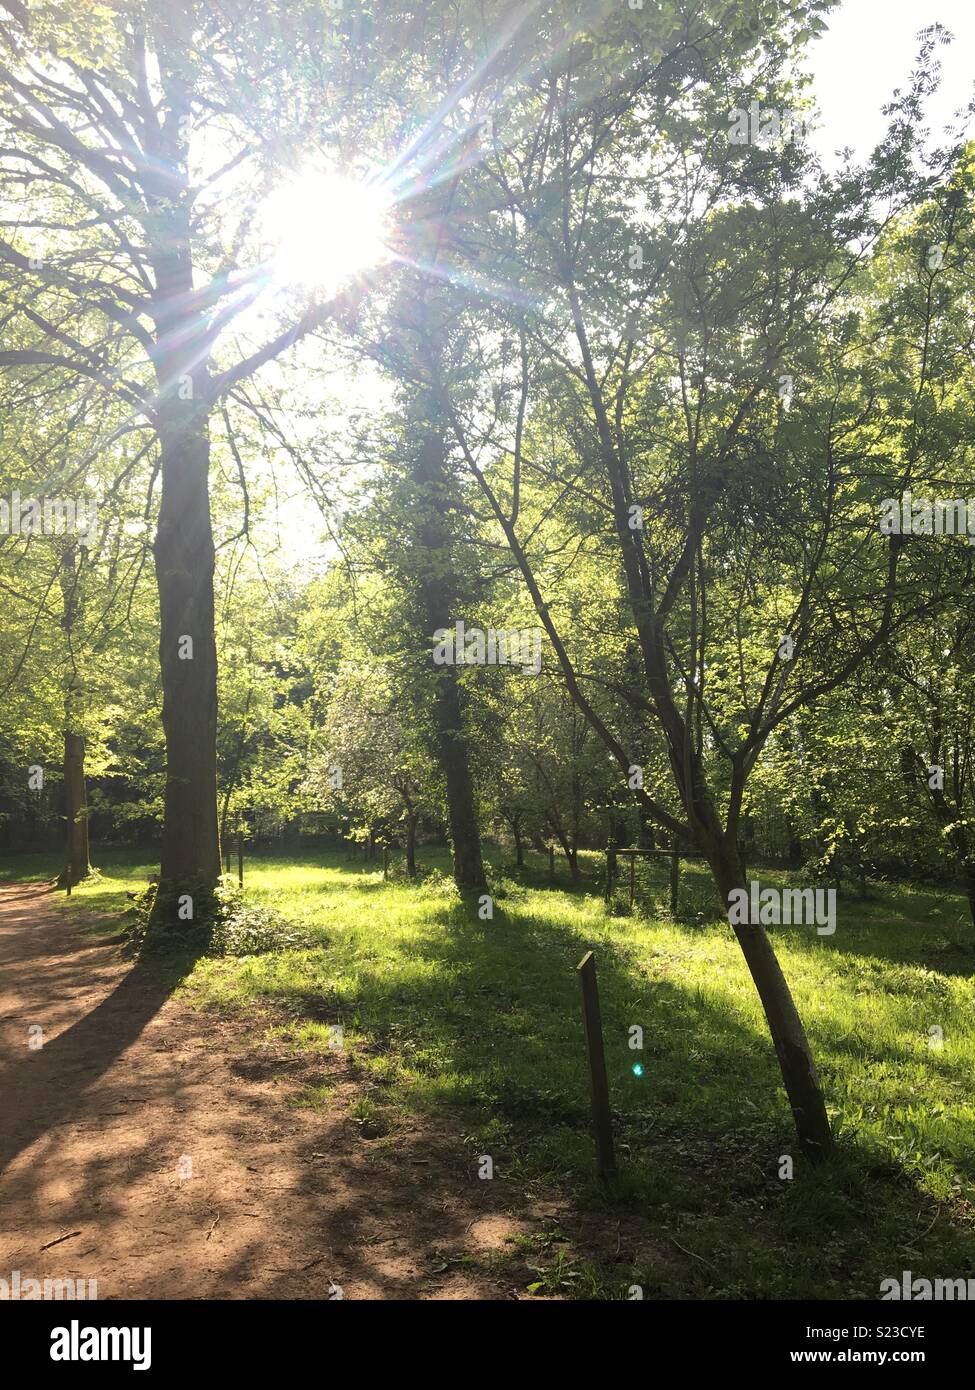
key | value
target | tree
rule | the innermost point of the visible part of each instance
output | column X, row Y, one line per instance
column 77, row 863
column 754, row 576
column 126, row 142
column 374, row 768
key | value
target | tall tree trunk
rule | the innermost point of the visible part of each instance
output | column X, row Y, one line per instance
column 568, row 849
column 465, row 835
column 77, row 861
column 183, row 547
column 421, row 321
column 519, row 844
column 411, row 825
column 572, row 855
column 184, row 556
column 438, row 605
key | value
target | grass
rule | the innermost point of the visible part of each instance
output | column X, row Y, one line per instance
column 477, row 1024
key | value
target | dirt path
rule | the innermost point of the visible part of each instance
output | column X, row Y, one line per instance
column 130, row 1093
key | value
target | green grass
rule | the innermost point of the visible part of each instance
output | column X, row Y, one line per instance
column 478, row 1023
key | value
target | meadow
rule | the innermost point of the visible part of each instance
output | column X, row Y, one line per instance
column 475, row 1027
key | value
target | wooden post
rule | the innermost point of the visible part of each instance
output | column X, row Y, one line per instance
column 240, row 857
column 385, row 863
column 67, row 880
column 551, row 863
column 609, row 876
column 632, row 879
column 596, row 1057
column 674, row 879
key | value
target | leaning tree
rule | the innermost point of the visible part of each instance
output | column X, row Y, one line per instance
column 686, row 315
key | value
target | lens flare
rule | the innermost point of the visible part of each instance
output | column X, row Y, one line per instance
column 323, row 228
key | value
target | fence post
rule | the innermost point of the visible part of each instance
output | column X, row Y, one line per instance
column 240, row 857
column 674, row 879
column 596, row 1057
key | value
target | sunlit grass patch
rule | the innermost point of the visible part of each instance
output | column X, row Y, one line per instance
column 477, row 1024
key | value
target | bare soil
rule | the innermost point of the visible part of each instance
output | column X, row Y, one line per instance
column 160, row 1151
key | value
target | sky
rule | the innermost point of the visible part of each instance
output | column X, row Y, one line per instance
column 869, row 50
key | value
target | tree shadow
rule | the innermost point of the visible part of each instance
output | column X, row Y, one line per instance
column 700, row 1132
column 701, row 1129
column 46, row 1086
column 330, row 1207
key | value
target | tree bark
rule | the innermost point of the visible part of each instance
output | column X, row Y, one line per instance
column 718, row 844
column 421, row 322
column 76, row 807
column 568, row 848
column 436, row 591
column 411, row 825
column 799, row 1074
column 519, row 844
column 76, row 860
column 183, row 547
column 184, row 559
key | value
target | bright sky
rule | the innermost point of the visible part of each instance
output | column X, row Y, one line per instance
column 869, row 50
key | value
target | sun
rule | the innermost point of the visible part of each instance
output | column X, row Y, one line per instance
column 323, row 228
